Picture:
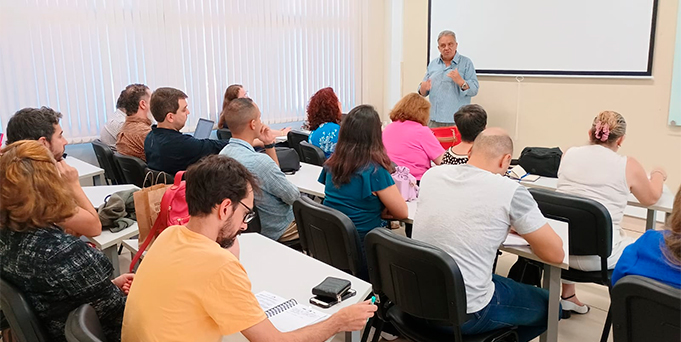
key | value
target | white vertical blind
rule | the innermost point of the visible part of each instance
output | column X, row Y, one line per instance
column 77, row 55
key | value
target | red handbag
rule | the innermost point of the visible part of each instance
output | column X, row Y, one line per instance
column 173, row 211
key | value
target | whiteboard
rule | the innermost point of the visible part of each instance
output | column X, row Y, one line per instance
column 546, row 37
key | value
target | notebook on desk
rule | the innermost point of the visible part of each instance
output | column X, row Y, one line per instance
column 203, row 129
column 288, row 315
column 518, row 173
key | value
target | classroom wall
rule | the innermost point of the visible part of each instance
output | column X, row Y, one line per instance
column 559, row 111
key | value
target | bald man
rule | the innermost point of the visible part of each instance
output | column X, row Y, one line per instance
column 468, row 210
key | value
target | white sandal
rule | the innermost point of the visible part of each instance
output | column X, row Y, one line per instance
column 570, row 306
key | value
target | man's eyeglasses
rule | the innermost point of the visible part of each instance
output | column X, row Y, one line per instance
column 249, row 215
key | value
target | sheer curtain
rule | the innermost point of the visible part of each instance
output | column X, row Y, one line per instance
column 77, row 55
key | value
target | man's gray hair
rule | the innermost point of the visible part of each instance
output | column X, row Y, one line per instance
column 446, row 33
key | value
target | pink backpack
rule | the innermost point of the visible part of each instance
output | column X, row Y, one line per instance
column 173, row 211
column 406, row 183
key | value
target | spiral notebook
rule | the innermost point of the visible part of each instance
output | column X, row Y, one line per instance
column 288, row 315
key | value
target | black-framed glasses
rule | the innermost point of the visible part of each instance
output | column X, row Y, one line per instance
column 249, row 215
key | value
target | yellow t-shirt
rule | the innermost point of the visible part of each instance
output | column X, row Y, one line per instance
column 188, row 288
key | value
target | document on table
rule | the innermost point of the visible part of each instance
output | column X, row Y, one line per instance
column 515, row 240
column 288, row 315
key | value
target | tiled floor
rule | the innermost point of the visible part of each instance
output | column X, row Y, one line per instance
column 579, row 328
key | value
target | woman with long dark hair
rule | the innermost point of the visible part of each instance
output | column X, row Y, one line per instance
column 357, row 176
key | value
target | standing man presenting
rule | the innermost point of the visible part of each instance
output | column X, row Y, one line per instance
column 450, row 81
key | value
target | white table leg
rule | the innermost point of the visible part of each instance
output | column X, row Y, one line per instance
column 552, row 283
column 650, row 219
column 111, row 253
column 352, row 336
column 97, row 180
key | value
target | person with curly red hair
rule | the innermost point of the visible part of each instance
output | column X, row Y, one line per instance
column 323, row 119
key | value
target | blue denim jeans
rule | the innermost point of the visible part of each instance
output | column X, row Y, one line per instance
column 513, row 304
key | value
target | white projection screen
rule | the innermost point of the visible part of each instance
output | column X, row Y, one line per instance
column 607, row 38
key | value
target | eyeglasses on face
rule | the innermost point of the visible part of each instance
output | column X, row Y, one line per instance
column 249, row 215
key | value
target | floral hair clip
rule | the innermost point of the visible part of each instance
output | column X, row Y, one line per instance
column 602, row 131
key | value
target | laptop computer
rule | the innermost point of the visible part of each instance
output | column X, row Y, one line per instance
column 203, row 129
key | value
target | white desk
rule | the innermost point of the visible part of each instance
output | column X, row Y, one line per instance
column 664, row 204
column 97, row 194
column 285, row 272
column 108, row 242
column 87, row 174
column 306, row 179
column 551, row 280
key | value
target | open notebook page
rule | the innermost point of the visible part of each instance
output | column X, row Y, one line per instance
column 288, row 315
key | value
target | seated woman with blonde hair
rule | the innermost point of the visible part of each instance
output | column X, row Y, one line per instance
column 55, row 271
column 408, row 140
column 596, row 171
column 656, row 254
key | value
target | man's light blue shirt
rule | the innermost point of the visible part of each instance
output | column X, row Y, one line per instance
column 277, row 193
column 446, row 97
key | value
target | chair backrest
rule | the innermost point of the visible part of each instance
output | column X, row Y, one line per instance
column 294, row 138
column 422, row 280
column 224, row 134
column 24, row 323
column 328, row 235
column 311, row 154
column 589, row 222
column 83, row 325
column 644, row 309
column 132, row 168
column 105, row 157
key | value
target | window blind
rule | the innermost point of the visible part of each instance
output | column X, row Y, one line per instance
column 76, row 55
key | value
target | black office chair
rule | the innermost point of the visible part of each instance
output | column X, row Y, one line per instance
column 311, row 154
column 83, row 325
column 132, row 168
column 328, row 235
column 644, row 309
column 224, row 134
column 106, row 161
column 422, row 292
column 24, row 323
column 255, row 227
column 294, row 138
column 589, row 231
column 136, row 172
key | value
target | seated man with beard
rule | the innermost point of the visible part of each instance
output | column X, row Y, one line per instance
column 191, row 285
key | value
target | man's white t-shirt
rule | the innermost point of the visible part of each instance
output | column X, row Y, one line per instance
column 467, row 212
column 110, row 131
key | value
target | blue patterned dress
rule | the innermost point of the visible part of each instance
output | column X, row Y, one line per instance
column 325, row 137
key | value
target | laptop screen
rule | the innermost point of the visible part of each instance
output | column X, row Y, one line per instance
column 203, row 129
